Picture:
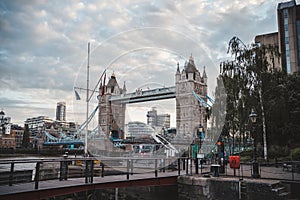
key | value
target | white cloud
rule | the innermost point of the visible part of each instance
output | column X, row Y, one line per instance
column 44, row 43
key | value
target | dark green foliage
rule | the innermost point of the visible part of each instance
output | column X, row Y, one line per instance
column 276, row 151
column 295, row 154
column 251, row 81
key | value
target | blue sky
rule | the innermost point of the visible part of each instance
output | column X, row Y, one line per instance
column 43, row 46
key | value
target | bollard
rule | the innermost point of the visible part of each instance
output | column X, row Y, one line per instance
column 66, row 170
column 102, row 169
column 155, row 168
column 183, row 163
column 37, row 175
column 11, row 175
column 86, row 171
column 191, row 166
column 127, row 174
column 187, row 166
column 61, row 171
column 178, row 166
column 131, row 166
column 196, row 166
column 92, row 171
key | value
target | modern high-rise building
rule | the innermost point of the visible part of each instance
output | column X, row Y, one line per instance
column 287, row 38
column 138, row 130
column 61, row 111
column 155, row 120
column 5, row 124
column 288, row 16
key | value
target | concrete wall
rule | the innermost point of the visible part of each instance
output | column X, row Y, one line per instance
column 198, row 188
column 130, row 193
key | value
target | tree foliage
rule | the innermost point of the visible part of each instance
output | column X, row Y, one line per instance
column 251, row 81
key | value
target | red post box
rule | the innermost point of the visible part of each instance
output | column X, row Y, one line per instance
column 234, row 162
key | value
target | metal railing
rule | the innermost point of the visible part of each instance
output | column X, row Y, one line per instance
column 88, row 168
column 288, row 171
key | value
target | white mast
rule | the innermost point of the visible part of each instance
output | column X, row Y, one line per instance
column 87, row 101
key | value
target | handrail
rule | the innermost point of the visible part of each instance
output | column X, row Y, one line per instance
column 157, row 164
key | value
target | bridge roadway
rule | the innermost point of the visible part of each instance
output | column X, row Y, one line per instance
column 51, row 188
column 147, row 95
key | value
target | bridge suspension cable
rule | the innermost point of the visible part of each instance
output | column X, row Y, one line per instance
column 83, row 125
column 161, row 140
column 202, row 101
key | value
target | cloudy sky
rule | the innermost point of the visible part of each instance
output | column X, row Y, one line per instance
column 43, row 47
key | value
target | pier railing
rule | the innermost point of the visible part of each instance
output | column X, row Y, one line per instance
column 88, row 167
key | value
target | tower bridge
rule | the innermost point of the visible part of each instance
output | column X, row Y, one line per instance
column 190, row 93
column 190, row 111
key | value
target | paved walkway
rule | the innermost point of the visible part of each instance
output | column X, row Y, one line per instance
column 266, row 172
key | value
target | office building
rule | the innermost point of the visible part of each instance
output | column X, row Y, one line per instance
column 287, row 38
column 158, row 120
column 138, row 130
column 61, row 111
column 11, row 135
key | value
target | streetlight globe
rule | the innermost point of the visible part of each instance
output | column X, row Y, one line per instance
column 200, row 128
column 253, row 116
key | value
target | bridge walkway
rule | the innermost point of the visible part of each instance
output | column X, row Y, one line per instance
column 51, row 188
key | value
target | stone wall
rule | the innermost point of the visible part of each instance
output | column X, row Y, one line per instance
column 129, row 193
column 200, row 188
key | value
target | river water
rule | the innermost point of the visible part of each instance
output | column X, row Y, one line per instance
column 21, row 166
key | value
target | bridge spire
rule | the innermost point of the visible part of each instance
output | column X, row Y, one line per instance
column 204, row 76
column 113, row 75
column 191, row 57
column 124, row 88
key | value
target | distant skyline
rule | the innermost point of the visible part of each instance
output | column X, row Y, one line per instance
column 43, row 47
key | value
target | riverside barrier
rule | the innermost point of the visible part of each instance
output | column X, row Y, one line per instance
column 89, row 167
column 66, row 169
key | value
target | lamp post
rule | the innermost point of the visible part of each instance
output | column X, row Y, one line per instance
column 200, row 130
column 255, row 165
column 199, row 134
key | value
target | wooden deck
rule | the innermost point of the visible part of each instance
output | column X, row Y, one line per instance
column 51, row 188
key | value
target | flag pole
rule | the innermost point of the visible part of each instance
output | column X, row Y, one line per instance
column 87, row 101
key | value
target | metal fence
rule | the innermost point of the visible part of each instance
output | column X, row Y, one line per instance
column 36, row 170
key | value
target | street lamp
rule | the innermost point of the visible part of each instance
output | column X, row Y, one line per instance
column 200, row 130
column 255, row 165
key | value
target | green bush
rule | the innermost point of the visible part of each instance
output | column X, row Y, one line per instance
column 246, row 158
column 275, row 151
column 246, row 153
column 295, row 154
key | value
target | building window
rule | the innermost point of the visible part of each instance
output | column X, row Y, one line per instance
column 287, row 44
column 285, row 13
column 298, row 40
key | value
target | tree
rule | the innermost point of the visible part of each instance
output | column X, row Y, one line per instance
column 26, row 141
column 244, row 79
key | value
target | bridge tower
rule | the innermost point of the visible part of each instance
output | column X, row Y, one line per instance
column 111, row 117
column 189, row 112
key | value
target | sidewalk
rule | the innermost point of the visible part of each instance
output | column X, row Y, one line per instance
column 265, row 172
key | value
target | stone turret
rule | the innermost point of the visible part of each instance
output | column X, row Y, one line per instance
column 178, row 76
column 112, row 115
column 124, row 89
column 189, row 115
column 204, row 76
